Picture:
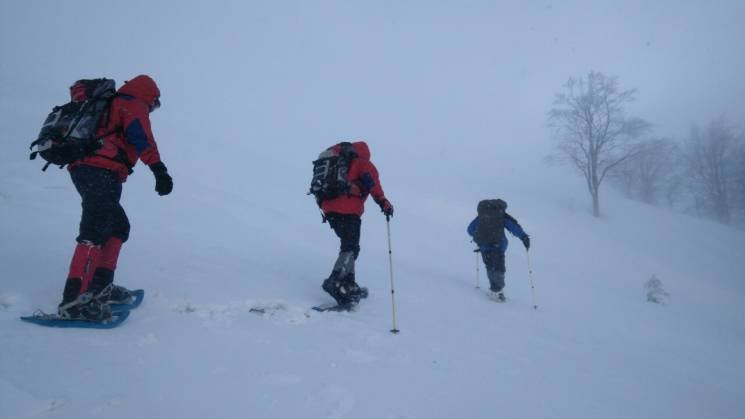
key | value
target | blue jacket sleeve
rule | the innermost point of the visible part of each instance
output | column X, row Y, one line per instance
column 136, row 136
column 513, row 226
column 135, row 118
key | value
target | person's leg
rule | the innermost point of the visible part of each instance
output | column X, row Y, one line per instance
column 347, row 228
column 119, row 234
column 99, row 191
column 341, row 283
column 110, row 253
column 104, row 274
column 350, row 244
column 92, row 189
column 81, row 270
column 107, row 225
column 500, row 267
column 494, row 262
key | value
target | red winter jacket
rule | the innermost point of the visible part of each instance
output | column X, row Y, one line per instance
column 129, row 135
column 364, row 179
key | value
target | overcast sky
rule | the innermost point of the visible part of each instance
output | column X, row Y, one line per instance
column 411, row 75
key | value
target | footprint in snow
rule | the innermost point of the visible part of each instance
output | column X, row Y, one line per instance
column 276, row 310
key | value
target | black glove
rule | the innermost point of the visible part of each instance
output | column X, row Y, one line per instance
column 386, row 207
column 526, row 241
column 163, row 181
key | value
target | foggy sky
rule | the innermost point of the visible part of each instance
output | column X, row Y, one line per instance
column 413, row 76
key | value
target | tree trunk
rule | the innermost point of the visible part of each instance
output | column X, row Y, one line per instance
column 595, row 204
column 721, row 209
column 595, row 184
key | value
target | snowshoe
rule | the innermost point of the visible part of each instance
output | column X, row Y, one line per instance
column 136, row 297
column 335, row 307
column 55, row 320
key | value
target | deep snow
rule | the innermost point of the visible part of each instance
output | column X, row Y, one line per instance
column 206, row 256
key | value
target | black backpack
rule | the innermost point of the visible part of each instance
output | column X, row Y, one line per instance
column 69, row 132
column 491, row 222
column 330, row 172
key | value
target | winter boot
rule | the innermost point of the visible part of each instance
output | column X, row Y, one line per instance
column 360, row 293
column 103, row 287
column 119, row 295
column 496, row 281
column 333, row 286
column 344, row 290
column 496, row 286
column 355, row 292
column 497, row 296
column 85, row 307
column 115, row 294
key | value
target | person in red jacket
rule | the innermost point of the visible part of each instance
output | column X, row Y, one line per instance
column 343, row 214
column 98, row 178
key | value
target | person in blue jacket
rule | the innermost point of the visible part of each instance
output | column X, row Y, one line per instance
column 487, row 230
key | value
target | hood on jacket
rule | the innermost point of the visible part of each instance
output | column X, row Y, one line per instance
column 363, row 151
column 142, row 87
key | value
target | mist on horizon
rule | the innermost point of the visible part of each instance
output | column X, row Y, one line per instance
column 465, row 86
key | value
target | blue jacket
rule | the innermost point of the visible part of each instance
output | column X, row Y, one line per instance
column 510, row 224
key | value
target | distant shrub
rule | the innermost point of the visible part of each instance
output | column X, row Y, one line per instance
column 6, row 301
column 656, row 292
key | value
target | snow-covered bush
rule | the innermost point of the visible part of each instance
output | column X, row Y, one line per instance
column 656, row 292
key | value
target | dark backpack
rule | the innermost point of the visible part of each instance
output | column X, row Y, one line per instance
column 330, row 172
column 69, row 132
column 491, row 222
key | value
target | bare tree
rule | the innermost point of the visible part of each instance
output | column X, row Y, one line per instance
column 674, row 185
column 650, row 174
column 593, row 132
column 625, row 178
column 711, row 159
column 654, row 164
column 739, row 179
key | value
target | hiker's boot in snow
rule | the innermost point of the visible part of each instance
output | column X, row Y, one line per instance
column 497, row 296
column 109, row 293
column 85, row 307
column 354, row 292
column 338, row 289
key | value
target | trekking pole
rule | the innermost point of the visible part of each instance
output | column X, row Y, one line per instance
column 390, row 264
column 530, row 278
column 476, row 252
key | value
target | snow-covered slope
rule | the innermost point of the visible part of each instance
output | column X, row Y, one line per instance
column 452, row 98
column 209, row 255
